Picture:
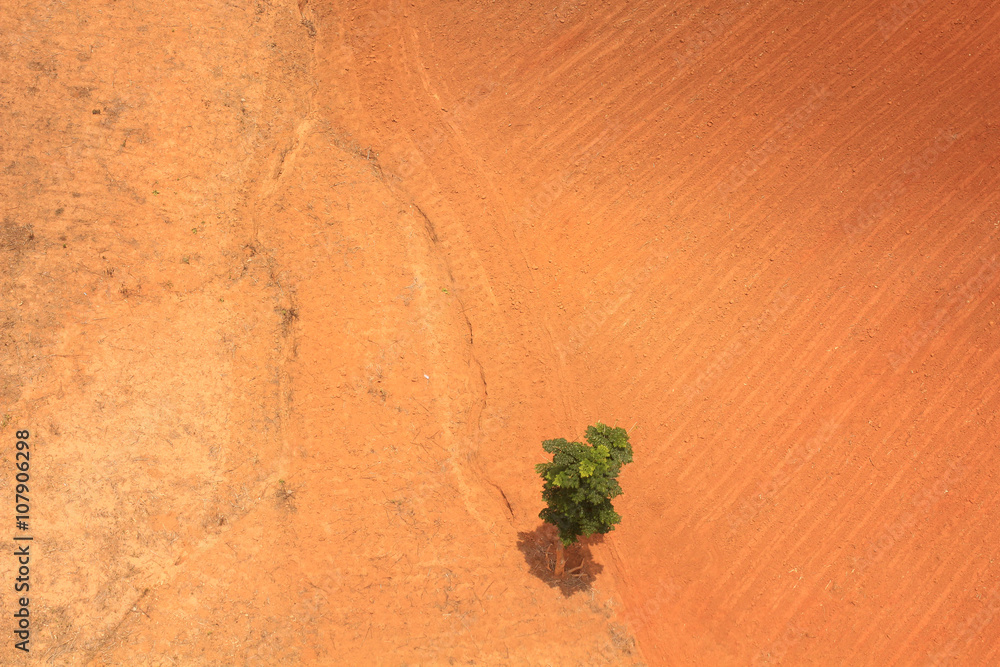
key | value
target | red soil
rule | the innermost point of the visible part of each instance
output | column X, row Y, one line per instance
column 368, row 257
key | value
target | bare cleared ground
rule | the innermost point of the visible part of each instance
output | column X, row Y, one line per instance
column 293, row 291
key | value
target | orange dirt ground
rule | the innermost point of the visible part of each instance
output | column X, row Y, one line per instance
column 292, row 293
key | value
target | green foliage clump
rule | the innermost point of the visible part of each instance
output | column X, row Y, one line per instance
column 581, row 480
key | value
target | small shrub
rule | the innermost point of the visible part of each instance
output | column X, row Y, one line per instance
column 580, row 483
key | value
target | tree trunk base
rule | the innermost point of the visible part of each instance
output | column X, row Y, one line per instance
column 560, row 559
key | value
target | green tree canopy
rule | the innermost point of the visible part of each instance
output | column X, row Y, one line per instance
column 582, row 479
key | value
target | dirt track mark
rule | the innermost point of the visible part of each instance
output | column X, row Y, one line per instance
column 472, row 427
column 772, row 113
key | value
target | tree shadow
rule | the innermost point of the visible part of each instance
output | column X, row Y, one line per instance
column 538, row 547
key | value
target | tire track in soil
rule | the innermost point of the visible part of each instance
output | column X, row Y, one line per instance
column 744, row 101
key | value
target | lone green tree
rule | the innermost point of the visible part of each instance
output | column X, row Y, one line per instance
column 580, row 482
